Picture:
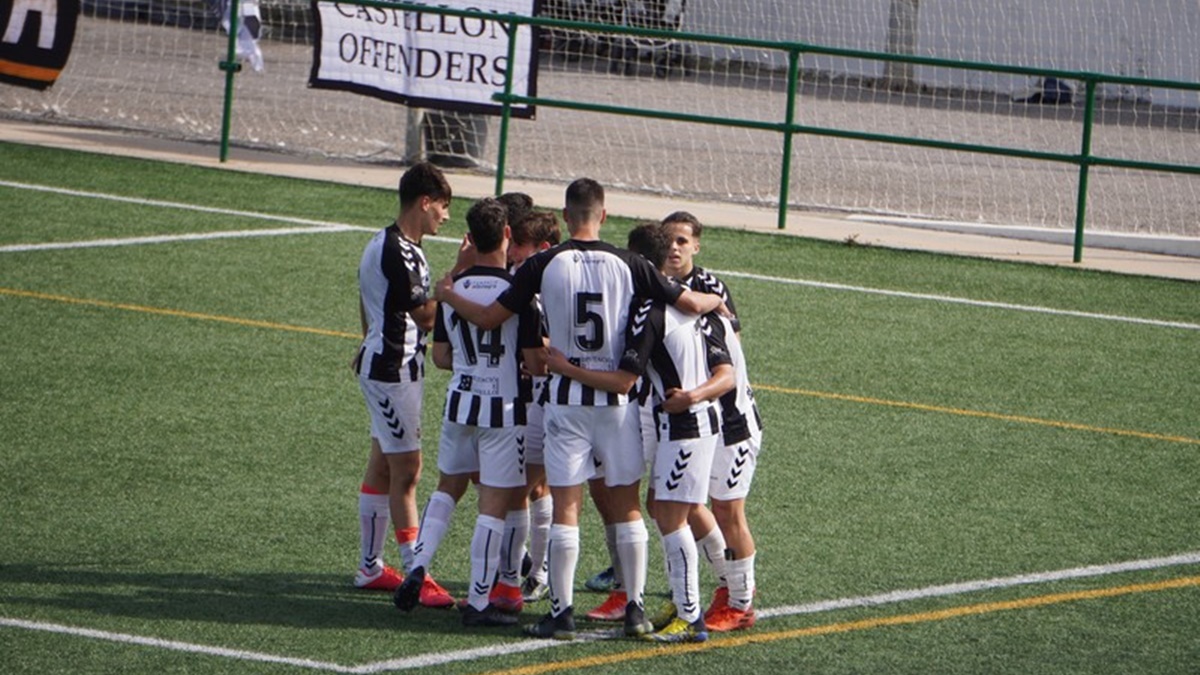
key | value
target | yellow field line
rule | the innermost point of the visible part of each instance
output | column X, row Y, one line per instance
column 978, row 413
column 849, row 626
column 177, row 313
column 761, row 387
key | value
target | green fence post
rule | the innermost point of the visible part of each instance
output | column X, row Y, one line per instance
column 231, row 66
column 785, row 170
column 1085, row 163
column 506, row 110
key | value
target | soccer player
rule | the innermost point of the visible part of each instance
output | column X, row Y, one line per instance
column 396, row 311
column 533, row 233
column 587, row 286
column 484, row 416
column 689, row 367
column 685, row 229
column 518, row 205
column 723, row 534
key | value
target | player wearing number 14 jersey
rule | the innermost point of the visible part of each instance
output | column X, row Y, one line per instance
column 587, row 286
column 484, row 424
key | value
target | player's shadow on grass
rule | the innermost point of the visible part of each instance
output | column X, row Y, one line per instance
column 316, row 601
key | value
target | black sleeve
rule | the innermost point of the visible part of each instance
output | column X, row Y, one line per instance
column 526, row 284
column 648, row 282
column 716, row 351
column 440, row 334
column 529, row 331
column 707, row 282
column 642, row 333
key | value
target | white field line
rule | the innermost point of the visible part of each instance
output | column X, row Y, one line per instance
column 124, row 638
column 310, row 226
column 1191, row 558
column 342, row 227
column 171, row 205
column 439, row 658
column 960, row 301
column 168, row 238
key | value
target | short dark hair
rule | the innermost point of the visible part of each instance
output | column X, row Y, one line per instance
column 684, row 217
column 650, row 241
column 585, row 198
column 423, row 180
column 486, row 220
column 536, row 227
column 518, row 204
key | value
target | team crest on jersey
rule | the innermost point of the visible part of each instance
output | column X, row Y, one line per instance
column 465, row 382
column 630, row 355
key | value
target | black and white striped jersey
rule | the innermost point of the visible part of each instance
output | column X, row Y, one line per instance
column 586, row 289
column 675, row 350
column 740, row 418
column 485, row 387
column 393, row 279
column 703, row 281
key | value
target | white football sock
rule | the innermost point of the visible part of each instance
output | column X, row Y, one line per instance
column 740, row 574
column 632, row 542
column 434, row 523
column 679, row 550
column 563, row 556
column 541, row 513
column 712, row 549
column 512, row 554
column 485, row 558
column 614, row 557
column 373, row 529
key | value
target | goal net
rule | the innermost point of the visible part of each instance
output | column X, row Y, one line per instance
column 151, row 66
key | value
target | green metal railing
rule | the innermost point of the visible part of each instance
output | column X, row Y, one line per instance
column 787, row 127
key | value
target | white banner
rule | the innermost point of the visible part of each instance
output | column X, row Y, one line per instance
column 425, row 59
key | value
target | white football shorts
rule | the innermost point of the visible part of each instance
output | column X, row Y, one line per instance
column 733, row 470
column 395, row 409
column 575, row 434
column 682, row 469
column 496, row 453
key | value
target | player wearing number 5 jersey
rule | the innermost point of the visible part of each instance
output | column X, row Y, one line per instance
column 587, row 286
